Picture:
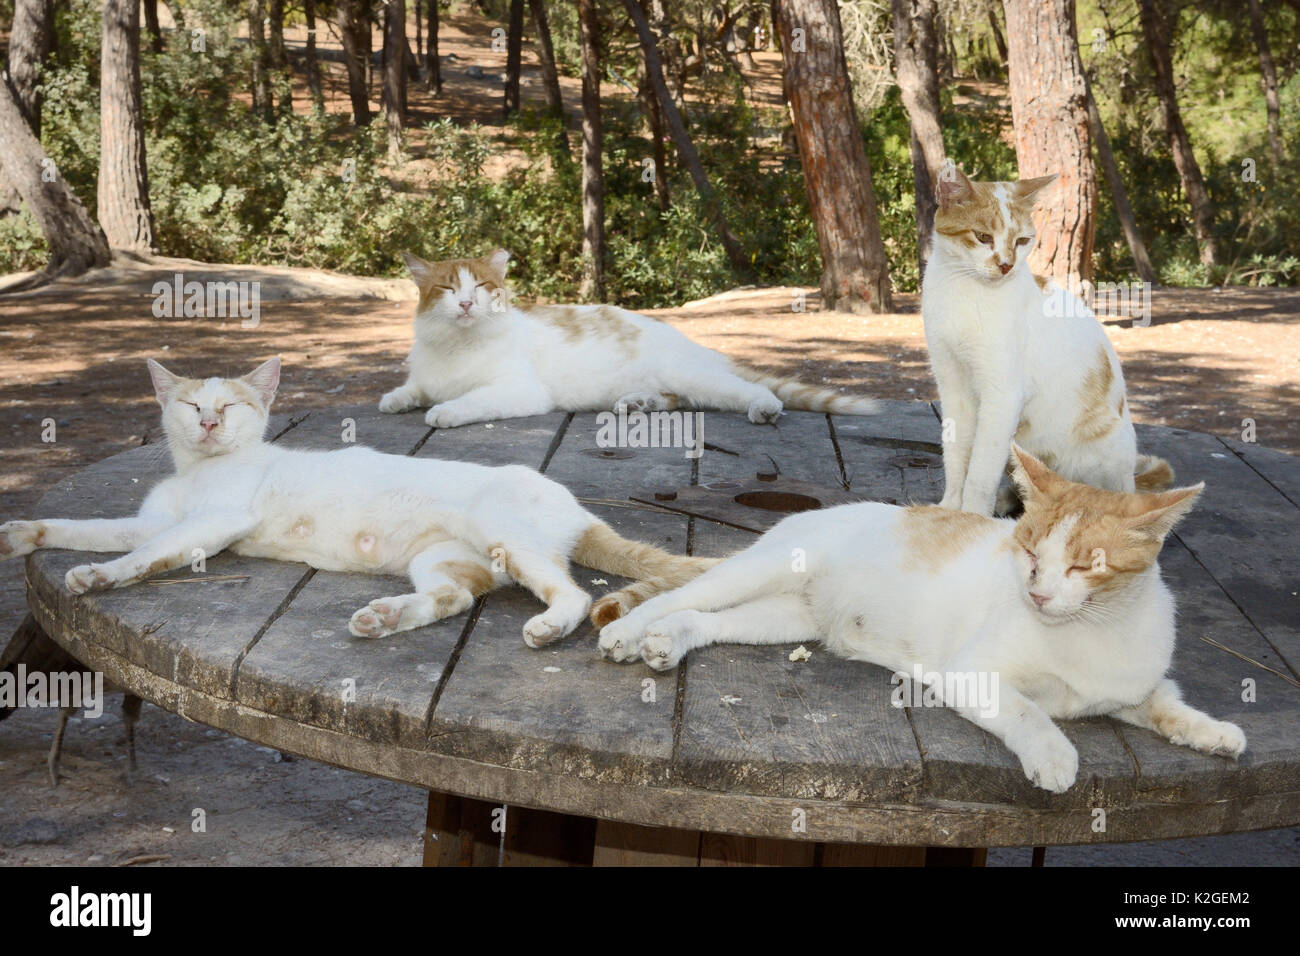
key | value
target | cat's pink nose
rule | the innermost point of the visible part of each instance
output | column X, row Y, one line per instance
column 1005, row 267
column 1040, row 599
column 208, row 426
column 465, row 307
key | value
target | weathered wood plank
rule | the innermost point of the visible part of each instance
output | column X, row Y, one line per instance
column 328, row 429
column 1243, row 531
column 800, row 445
column 718, row 849
column 895, row 456
column 1279, row 469
column 625, row 844
column 515, row 441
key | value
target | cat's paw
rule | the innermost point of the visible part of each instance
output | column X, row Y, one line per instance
column 765, row 411
column 1050, row 761
column 662, row 646
column 441, row 416
column 20, row 537
column 397, row 401
column 639, row 402
column 86, row 577
column 1212, row 737
column 621, row 641
column 379, row 618
column 556, row 621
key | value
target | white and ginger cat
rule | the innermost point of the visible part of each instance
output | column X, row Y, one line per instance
column 1065, row 606
column 456, row 529
column 1018, row 357
column 476, row 357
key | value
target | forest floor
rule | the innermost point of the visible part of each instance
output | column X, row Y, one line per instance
column 75, row 353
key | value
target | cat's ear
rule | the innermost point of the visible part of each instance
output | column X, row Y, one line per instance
column 265, row 379
column 164, row 382
column 951, row 187
column 1031, row 476
column 1164, row 510
column 421, row 271
column 1026, row 189
column 498, row 259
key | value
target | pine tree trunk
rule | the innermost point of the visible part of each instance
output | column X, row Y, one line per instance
column 655, row 121
column 313, row 61
column 916, row 64
column 395, row 53
column 76, row 242
column 1157, row 35
column 685, row 148
column 1268, row 76
column 151, row 25
column 514, row 57
column 593, row 177
column 998, row 39
column 550, row 75
column 1128, row 222
column 123, row 178
column 278, row 57
column 837, row 175
column 261, row 59
column 354, row 28
column 669, row 50
column 30, row 43
column 433, row 75
column 1049, row 107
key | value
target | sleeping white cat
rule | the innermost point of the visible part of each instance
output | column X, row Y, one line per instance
column 476, row 357
column 1065, row 606
column 1018, row 357
column 456, row 529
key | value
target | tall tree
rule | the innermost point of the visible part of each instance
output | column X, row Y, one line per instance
column 354, row 29
column 1268, row 76
column 313, row 61
column 654, row 117
column 1123, row 210
column 281, row 81
column 152, row 26
column 395, row 52
column 916, row 68
column 837, row 175
column 1049, row 108
column 550, row 75
column 76, row 242
column 30, row 43
column 123, row 177
column 996, row 29
column 514, row 56
column 261, row 59
column 433, row 66
column 681, row 138
column 1157, row 33
column 593, row 176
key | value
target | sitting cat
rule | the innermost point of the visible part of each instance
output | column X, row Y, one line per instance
column 477, row 357
column 458, row 530
column 1065, row 606
column 1017, row 357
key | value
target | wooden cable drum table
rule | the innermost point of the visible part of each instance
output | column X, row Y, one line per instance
column 741, row 755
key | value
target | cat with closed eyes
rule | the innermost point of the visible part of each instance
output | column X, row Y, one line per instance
column 1016, row 357
column 1065, row 606
column 457, row 530
column 477, row 357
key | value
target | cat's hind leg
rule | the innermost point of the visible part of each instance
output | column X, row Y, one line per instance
column 782, row 619
column 447, row 578
column 728, row 392
column 1165, row 712
column 547, row 576
column 18, row 538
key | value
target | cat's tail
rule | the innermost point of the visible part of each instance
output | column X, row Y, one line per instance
column 652, row 569
column 1152, row 474
column 797, row 396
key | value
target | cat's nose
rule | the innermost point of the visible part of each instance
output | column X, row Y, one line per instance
column 1040, row 599
column 465, row 306
column 1005, row 267
column 208, row 426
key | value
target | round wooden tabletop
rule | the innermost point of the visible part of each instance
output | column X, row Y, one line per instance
column 739, row 740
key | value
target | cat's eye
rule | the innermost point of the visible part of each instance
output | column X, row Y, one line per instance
column 191, row 405
column 479, row 285
column 1023, row 240
column 446, row 288
column 985, row 238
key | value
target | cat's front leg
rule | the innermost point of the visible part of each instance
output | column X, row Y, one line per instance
column 958, row 435
column 995, row 427
column 1165, row 712
column 18, row 538
column 1046, row 755
column 199, row 536
column 489, row 403
column 402, row 399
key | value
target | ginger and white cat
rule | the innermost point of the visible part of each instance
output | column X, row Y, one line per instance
column 1018, row 358
column 1065, row 606
column 476, row 357
column 456, row 529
